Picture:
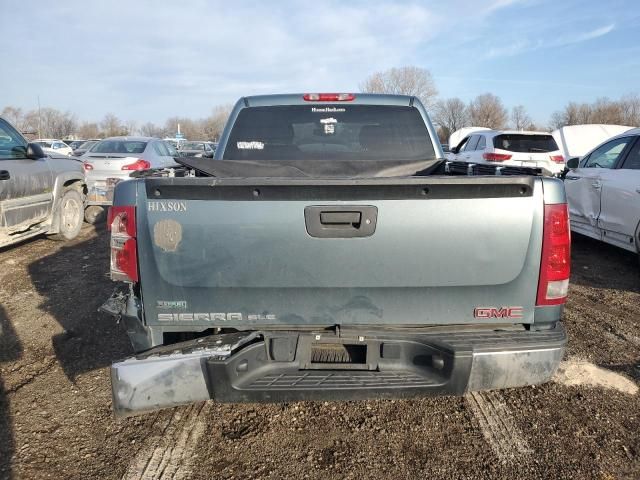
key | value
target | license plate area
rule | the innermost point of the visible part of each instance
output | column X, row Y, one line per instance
column 334, row 353
column 101, row 191
column 338, row 353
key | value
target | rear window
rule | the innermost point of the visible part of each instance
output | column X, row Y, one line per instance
column 193, row 146
column 525, row 143
column 119, row 146
column 87, row 145
column 329, row 132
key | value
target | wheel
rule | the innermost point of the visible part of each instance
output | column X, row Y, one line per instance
column 94, row 214
column 69, row 215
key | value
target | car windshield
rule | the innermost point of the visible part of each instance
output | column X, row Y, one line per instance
column 87, row 145
column 192, row 146
column 329, row 132
column 525, row 143
column 45, row 144
column 12, row 144
column 119, row 146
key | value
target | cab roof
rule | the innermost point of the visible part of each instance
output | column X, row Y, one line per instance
column 297, row 99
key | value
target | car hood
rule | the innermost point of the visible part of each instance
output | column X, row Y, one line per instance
column 63, row 163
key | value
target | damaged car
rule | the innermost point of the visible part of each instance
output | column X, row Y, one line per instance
column 38, row 194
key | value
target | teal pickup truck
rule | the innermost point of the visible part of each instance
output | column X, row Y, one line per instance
column 329, row 252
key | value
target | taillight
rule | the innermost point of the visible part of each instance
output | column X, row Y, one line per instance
column 496, row 157
column 139, row 164
column 555, row 265
column 121, row 220
column 328, row 97
column 557, row 158
column 87, row 166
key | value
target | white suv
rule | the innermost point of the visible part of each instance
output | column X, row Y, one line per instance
column 512, row 148
column 50, row 145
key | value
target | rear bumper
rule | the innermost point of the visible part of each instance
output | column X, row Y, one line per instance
column 279, row 367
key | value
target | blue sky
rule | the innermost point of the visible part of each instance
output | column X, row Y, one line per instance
column 147, row 61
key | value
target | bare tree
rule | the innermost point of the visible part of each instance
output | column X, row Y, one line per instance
column 191, row 129
column 112, row 126
column 605, row 111
column 625, row 111
column 572, row 114
column 88, row 130
column 66, row 125
column 214, row 124
column 630, row 110
column 520, row 119
column 414, row 81
column 18, row 118
column 486, row 110
column 131, row 127
column 556, row 120
column 450, row 115
column 150, row 129
column 52, row 123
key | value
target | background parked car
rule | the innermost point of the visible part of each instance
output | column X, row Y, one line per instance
column 74, row 143
column 173, row 151
column 512, row 148
column 603, row 190
column 578, row 140
column 196, row 149
column 84, row 147
column 37, row 194
column 54, row 146
column 456, row 137
column 176, row 142
column 114, row 159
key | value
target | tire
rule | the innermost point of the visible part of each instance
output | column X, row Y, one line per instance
column 69, row 214
column 94, row 214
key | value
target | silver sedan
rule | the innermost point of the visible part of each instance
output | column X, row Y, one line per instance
column 114, row 159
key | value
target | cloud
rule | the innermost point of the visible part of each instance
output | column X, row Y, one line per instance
column 147, row 61
column 522, row 46
column 583, row 37
column 184, row 57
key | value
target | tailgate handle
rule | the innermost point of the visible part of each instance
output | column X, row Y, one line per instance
column 341, row 218
column 340, row 221
column 4, row 175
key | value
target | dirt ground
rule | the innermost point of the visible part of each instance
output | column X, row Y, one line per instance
column 55, row 403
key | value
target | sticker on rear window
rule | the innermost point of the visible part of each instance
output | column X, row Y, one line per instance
column 328, row 110
column 250, row 146
column 329, row 125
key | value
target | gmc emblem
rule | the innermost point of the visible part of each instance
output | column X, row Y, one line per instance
column 493, row 312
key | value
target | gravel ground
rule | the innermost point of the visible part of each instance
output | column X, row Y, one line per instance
column 55, row 404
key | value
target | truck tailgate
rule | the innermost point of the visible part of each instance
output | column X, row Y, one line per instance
column 244, row 253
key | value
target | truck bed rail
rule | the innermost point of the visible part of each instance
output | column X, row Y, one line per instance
column 452, row 168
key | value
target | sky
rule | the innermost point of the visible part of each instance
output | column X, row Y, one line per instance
column 151, row 60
